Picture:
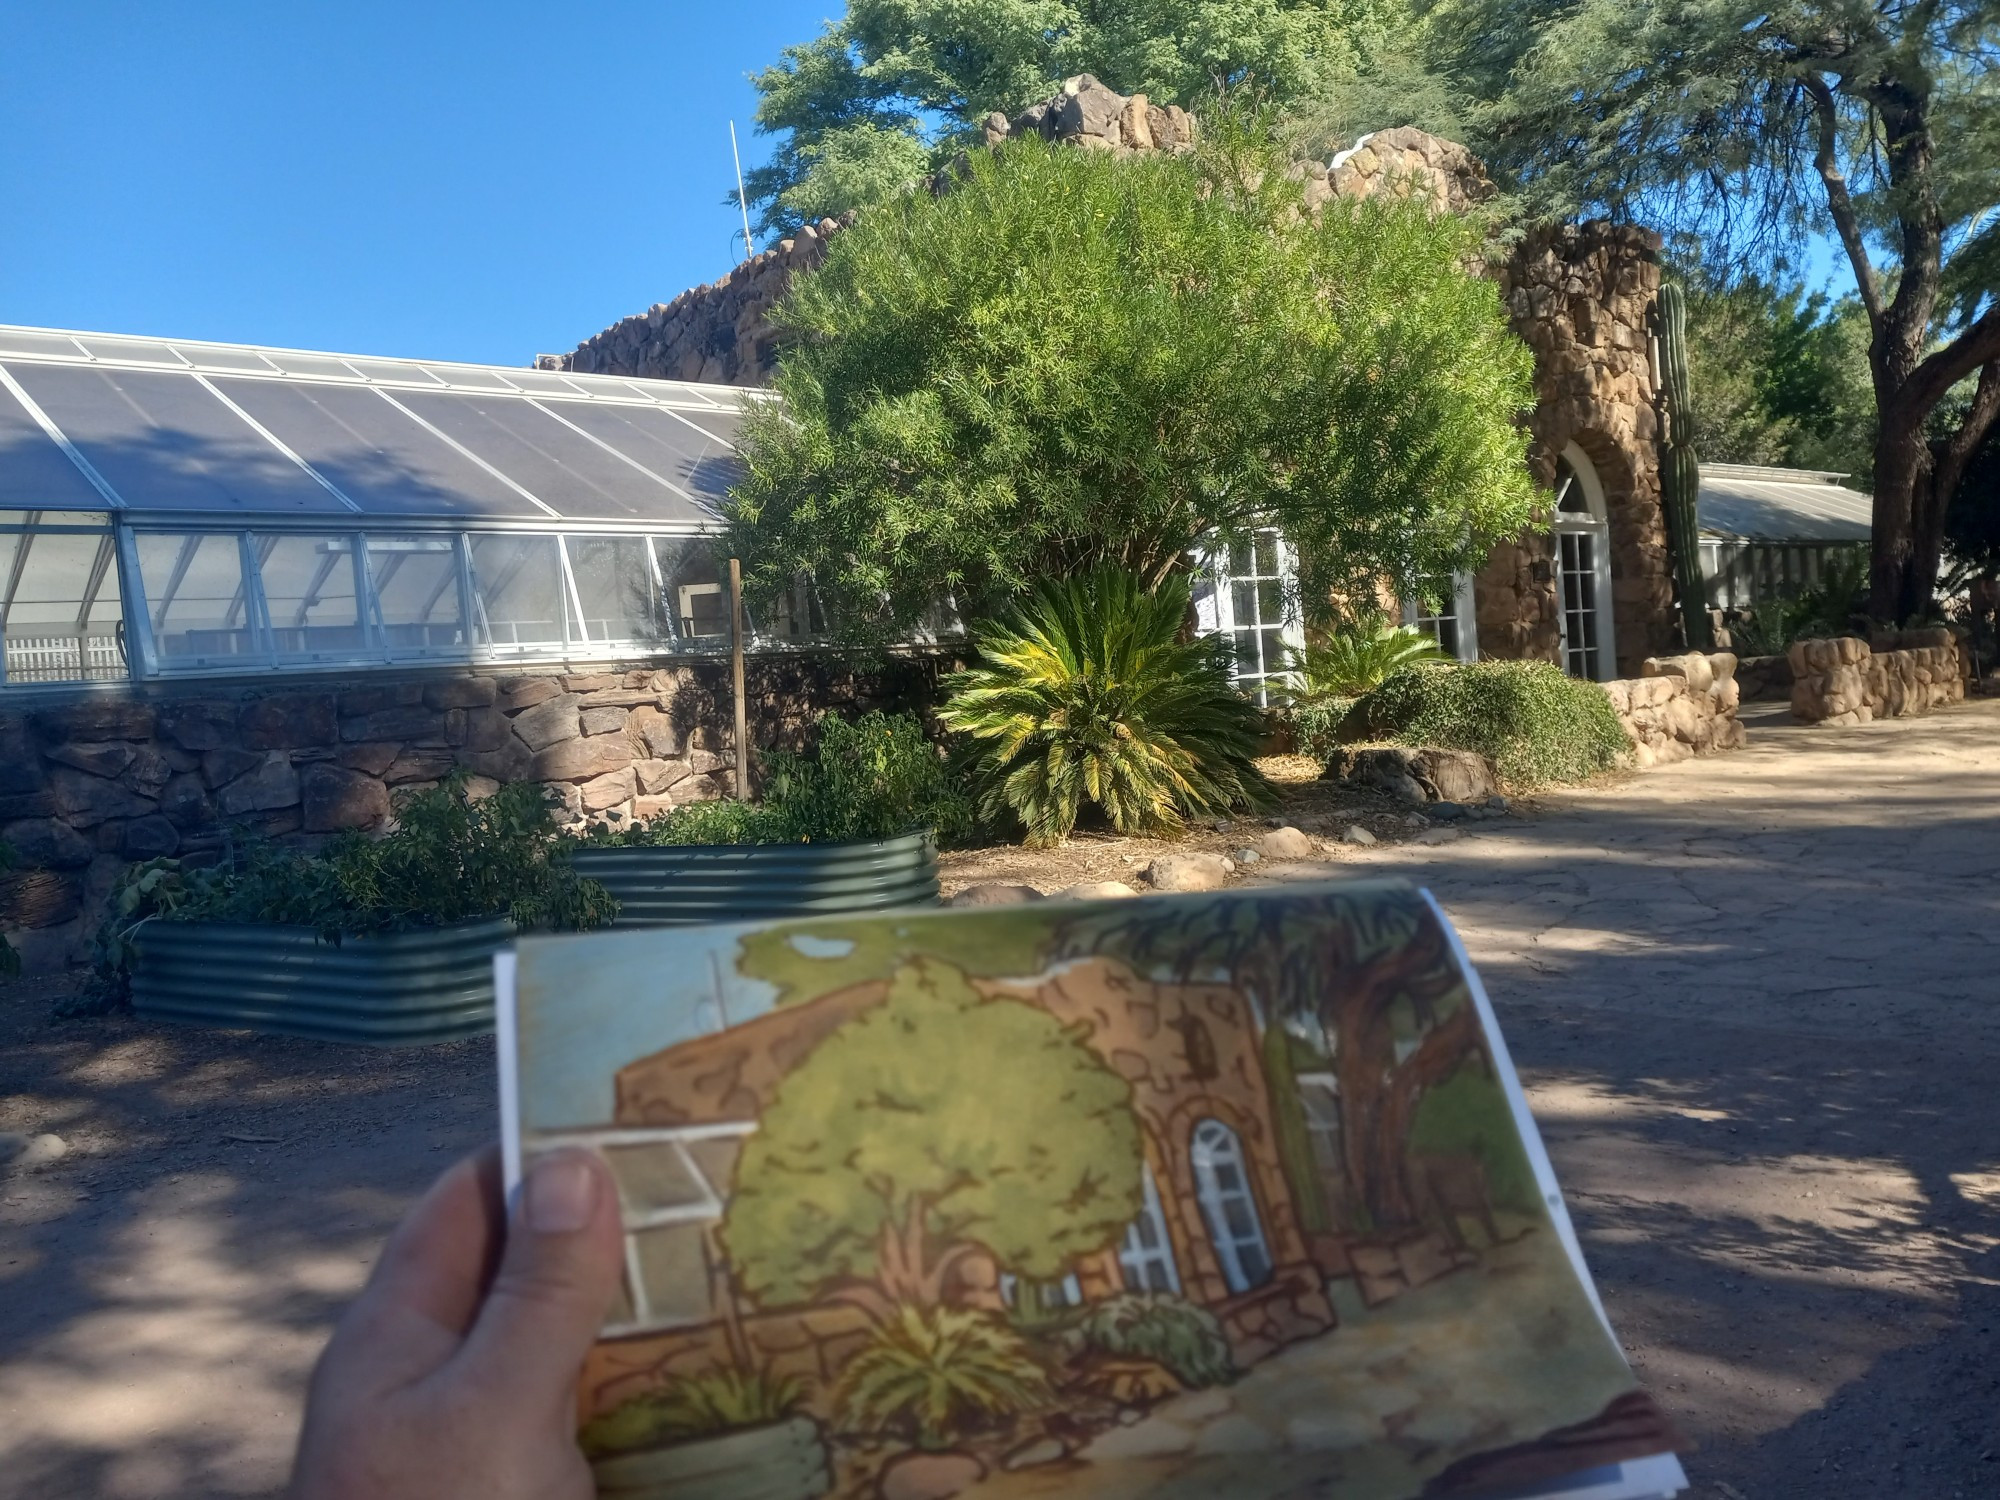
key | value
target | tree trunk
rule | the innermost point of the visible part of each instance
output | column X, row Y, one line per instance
column 1902, row 470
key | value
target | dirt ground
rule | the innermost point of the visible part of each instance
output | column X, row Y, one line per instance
column 1752, row 999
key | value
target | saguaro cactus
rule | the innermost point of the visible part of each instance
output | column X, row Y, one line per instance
column 1680, row 473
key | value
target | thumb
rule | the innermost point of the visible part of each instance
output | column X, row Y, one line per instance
column 561, row 1268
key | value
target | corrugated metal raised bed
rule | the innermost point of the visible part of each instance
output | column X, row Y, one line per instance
column 393, row 989
column 680, row 883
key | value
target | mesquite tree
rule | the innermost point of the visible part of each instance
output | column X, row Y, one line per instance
column 1753, row 125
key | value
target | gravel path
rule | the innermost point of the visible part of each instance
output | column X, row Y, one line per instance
column 1753, row 999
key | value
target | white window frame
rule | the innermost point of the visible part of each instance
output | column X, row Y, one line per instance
column 709, row 1211
column 1215, row 606
column 79, row 655
column 1594, row 522
column 1136, row 1258
column 1463, row 615
column 1214, row 1145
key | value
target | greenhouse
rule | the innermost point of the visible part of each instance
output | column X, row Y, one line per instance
column 171, row 508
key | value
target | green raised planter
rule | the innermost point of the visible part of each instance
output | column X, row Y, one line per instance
column 784, row 1461
column 688, row 883
column 394, row 989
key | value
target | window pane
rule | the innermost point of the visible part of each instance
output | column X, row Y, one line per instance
column 1243, row 599
column 416, row 582
column 1267, row 554
column 517, row 591
column 694, row 588
column 653, row 1176
column 674, row 1272
column 614, row 579
column 194, row 596
column 1270, row 601
column 60, row 612
column 309, row 591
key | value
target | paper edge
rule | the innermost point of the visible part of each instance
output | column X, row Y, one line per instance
column 506, row 1043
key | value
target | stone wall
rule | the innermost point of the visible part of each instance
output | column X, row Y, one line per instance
column 1581, row 297
column 1764, row 679
column 90, row 782
column 1678, row 707
column 1847, row 680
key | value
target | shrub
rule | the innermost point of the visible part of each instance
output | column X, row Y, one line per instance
column 1167, row 1330
column 938, row 1372
column 448, row 859
column 1535, row 724
column 1316, row 727
column 1355, row 659
column 1087, row 692
column 693, row 1406
column 868, row 778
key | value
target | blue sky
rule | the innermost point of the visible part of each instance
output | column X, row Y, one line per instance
column 452, row 180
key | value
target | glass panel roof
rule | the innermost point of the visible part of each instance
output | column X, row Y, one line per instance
column 164, row 443
column 375, row 455
column 28, row 341
column 560, row 465
column 401, row 438
column 34, row 473
column 134, row 351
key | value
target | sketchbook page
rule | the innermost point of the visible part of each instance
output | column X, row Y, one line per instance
column 1220, row 1194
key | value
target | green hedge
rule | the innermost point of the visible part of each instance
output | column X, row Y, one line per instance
column 1535, row 724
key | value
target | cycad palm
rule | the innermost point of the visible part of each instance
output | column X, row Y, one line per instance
column 1356, row 660
column 1088, row 693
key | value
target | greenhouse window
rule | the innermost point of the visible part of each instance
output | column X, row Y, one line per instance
column 61, row 616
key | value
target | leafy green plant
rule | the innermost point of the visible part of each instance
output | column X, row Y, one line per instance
column 1069, row 359
column 1087, row 692
column 1354, row 659
column 1316, row 727
column 715, row 1401
column 937, row 1372
column 450, row 858
column 1836, row 605
column 868, row 778
column 1165, row 1329
column 1535, row 724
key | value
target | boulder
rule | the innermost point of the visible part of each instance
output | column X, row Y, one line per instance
column 1096, row 890
column 602, row 720
column 47, row 844
column 87, row 800
column 652, row 730
column 929, row 1476
column 336, row 797
column 994, row 894
column 656, row 776
column 104, row 758
column 613, row 789
column 185, row 803
column 288, row 721
column 150, row 837
column 371, row 759
column 526, row 692
column 98, row 717
column 1286, row 843
column 408, row 723
column 1358, row 836
column 199, row 725
column 582, row 760
column 1187, row 872
column 273, row 784
column 461, row 692
column 549, row 722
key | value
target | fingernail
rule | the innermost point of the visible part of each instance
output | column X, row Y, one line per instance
column 562, row 1193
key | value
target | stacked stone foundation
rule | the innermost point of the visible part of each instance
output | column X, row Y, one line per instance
column 1679, row 707
column 1898, row 675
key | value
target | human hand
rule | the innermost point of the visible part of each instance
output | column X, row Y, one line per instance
column 454, row 1372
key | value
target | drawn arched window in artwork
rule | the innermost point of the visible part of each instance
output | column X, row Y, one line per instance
column 1222, row 1183
column 1583, row 568
column 1146, row 1256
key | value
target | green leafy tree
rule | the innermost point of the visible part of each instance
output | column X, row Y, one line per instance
column 934, row 1125
column 1069, row 360
column 1779, row 375
column 1087, row 693
column 894, row 84
column 1752, row 125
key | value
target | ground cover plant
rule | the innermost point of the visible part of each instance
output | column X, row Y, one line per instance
column 449, row 858
column 1087, row 694
column 873, row 777
column 1534, row 723
column 1067, row 360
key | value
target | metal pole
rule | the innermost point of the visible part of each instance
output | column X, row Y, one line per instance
column 749, row 248
column 736, row 679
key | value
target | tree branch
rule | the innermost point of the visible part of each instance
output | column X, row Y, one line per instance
column 1978, row 345
column 1957, row 450
column 1846, row 222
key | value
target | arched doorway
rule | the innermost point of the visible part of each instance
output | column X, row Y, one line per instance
column 1222, row 1183
column 1583, row 569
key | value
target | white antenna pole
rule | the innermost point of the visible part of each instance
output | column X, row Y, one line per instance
column 742, row 202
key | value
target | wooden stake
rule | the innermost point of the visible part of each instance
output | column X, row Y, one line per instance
column 736, row 679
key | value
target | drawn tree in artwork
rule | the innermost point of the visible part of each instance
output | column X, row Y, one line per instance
column 1351, row 963
column 934, row 1125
